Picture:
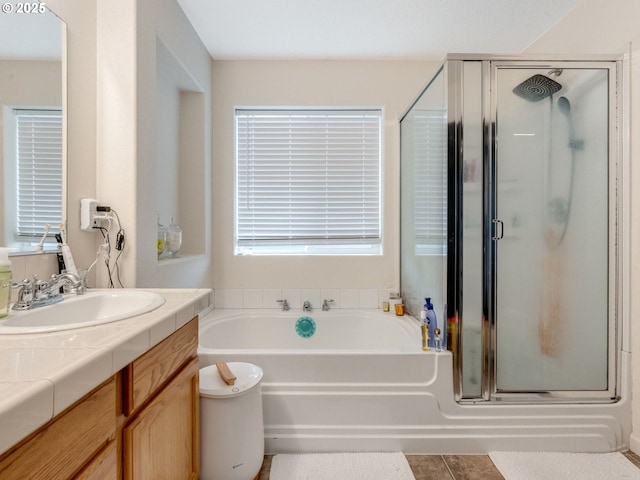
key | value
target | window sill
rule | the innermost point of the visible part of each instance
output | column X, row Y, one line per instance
column 290, row 250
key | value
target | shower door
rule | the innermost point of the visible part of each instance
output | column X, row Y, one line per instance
column 550, row 229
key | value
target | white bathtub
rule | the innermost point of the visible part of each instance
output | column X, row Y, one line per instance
column 362, row 383
column 335, row 331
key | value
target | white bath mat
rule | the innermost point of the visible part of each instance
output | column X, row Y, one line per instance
column 340, row 466
column 564, row 466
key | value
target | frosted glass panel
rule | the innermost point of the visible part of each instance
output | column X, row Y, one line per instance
column 552, row 203
column 472, row 231
column 423, row 189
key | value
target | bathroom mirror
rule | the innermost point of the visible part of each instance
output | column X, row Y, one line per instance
column 31, row 77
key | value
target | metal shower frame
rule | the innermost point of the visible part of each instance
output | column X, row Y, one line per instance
column 453, row 69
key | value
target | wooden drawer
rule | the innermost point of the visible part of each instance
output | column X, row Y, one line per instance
column 65, row 444
column 147, row 374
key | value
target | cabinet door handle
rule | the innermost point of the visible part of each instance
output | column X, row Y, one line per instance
column 498, row 229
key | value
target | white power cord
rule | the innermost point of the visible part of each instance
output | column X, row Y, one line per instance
column 110, row 217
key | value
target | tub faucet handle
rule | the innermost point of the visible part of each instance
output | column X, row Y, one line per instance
column 285, row 304
column 325, row 304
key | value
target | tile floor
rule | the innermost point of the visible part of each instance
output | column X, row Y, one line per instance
column 447, row 467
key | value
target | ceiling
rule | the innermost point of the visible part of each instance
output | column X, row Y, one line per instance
column 370, row 29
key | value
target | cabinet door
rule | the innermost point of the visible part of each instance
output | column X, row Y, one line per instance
column 162, row 441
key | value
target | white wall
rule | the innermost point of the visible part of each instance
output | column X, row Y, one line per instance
column 163, row 21
column 390, row 84
column 605, row 27
column 111, row 55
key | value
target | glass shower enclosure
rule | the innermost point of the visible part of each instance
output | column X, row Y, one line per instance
column 510, row 197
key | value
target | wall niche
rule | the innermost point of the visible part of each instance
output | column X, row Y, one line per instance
column 180, row 152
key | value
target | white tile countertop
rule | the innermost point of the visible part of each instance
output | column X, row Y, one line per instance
column 43, row 374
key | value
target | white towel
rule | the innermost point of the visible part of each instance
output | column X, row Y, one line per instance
column 341, row 466
column 564, row 466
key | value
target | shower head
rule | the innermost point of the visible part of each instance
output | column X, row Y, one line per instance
column 564, row 105
column 537, row 88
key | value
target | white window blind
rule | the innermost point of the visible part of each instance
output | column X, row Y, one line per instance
column 308, row 181
column 39, row 170
column 430, row 195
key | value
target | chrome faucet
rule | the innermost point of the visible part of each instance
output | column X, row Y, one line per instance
column 38, row 293
column 325, row 305
column 306, row 306
column 75, row 283
column 285, row 304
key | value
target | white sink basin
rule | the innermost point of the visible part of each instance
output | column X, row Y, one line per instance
column 92, row 308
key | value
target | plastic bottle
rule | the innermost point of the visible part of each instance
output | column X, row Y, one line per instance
column 5, row 282
column 431, row 321
column 424, row 327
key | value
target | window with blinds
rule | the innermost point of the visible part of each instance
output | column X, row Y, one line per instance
column 308, row 181
column 430, row 194
column 39, row 171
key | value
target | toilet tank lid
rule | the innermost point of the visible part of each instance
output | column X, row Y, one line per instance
column 212, row 385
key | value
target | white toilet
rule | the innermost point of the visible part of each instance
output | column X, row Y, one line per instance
column 231, row 423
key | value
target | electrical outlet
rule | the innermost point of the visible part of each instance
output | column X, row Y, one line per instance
column 88, row 212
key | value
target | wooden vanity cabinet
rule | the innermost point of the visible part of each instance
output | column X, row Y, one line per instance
column 161, row 436
column 104, row 466
column 142, row 423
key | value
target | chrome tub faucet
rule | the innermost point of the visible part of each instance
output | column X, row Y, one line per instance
column 306, row 307
column 285, row 304
column 325, row 304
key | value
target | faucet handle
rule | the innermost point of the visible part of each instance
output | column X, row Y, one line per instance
column 25, row 294
column 25, row 285
column 325, row 303
column 39, row 284
column 284, row 303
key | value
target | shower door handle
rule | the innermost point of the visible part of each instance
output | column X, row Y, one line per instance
column 498, row 229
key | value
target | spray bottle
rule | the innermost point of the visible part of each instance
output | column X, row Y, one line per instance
column 5, row 282
column 432, row 322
